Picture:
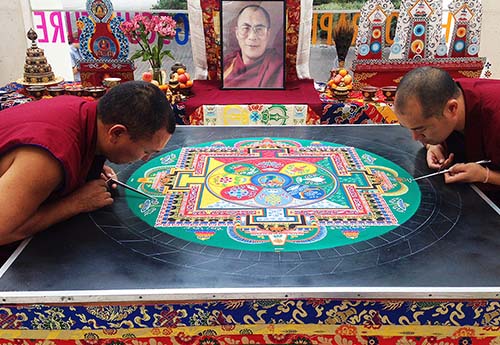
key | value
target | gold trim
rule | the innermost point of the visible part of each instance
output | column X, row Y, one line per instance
column 57, row 80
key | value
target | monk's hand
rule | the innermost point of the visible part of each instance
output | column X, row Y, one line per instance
column 437, row 158
column 107, row 173
column 91, row 196
column 465, row 172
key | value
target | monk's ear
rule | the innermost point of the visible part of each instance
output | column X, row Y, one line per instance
column 116, row 131
column 451, row 108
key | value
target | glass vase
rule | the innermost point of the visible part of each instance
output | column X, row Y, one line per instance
column 160, row 75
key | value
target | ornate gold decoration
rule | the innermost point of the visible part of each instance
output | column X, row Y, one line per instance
column 470, row 74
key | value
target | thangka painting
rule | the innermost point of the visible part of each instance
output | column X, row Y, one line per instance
column 103, row 45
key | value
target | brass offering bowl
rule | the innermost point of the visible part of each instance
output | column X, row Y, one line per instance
column 389, row 92
column 95, row 91
column 56, row 90
column 369, row 93
column 75, row 91
column 36, row 91
column 111, row 82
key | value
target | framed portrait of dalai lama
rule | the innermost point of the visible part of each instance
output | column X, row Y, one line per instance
column 253, row 44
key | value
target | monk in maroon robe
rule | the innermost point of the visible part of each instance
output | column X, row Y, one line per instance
column 457, row 121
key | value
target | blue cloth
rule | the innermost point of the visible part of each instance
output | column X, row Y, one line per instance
column 76, row 56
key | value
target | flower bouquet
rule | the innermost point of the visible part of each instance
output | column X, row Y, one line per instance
column 152, row 34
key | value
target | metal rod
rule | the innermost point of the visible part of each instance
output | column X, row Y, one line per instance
column 447, row 170
column 124, row 185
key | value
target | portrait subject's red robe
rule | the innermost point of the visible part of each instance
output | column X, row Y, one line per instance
column 267, row 72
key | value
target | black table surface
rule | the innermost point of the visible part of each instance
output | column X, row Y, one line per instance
column 452, row 242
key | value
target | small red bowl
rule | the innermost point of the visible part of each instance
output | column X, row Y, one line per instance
column 75, row 91
column 369, row 93
column 56, row 91
column 95, row 91
column 389, row 92
column 36, row 91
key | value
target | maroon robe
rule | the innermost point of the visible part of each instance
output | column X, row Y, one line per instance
column 267, row 72
column 481, row 139
column 65, row 126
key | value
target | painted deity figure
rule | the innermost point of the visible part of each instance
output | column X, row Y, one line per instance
column 101, row 36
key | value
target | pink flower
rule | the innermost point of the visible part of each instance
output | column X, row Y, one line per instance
column 127, row 27
column 143, row 29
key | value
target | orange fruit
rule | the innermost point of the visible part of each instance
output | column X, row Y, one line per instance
column 189, row 83
column 180, row 70
column 343, row 72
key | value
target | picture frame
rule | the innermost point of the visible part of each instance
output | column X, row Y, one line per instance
column 253, row 44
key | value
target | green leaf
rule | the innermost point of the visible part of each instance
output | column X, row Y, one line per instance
column 144, row 38
column 146, row 56
column 167, row 53
column 137, row 54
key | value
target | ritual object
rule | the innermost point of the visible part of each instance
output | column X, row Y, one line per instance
column 484, row 161
column 103, row 45
column 182, row 79
column 111, row 82
column 340, row 80
column 342, row 36
column 36, row 91
column 126, row 186
column 418, row 41
column 95, row 91
column 340, row 84
column 56, row 91
column 75, row 90
column 369, row 93
column 37, row 71
column 389, row 92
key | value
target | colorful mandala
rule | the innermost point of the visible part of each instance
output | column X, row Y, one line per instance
column 273, row 194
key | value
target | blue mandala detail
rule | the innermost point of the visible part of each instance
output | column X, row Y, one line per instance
column 88, row 30
column 255, row 116
column 238, row 192
column 473, row 49
column 375, row 47
column 459, row 45
column 120, row 36
column 396, row 48
column 419, row 30
column 364, row 49
column 441, row 50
